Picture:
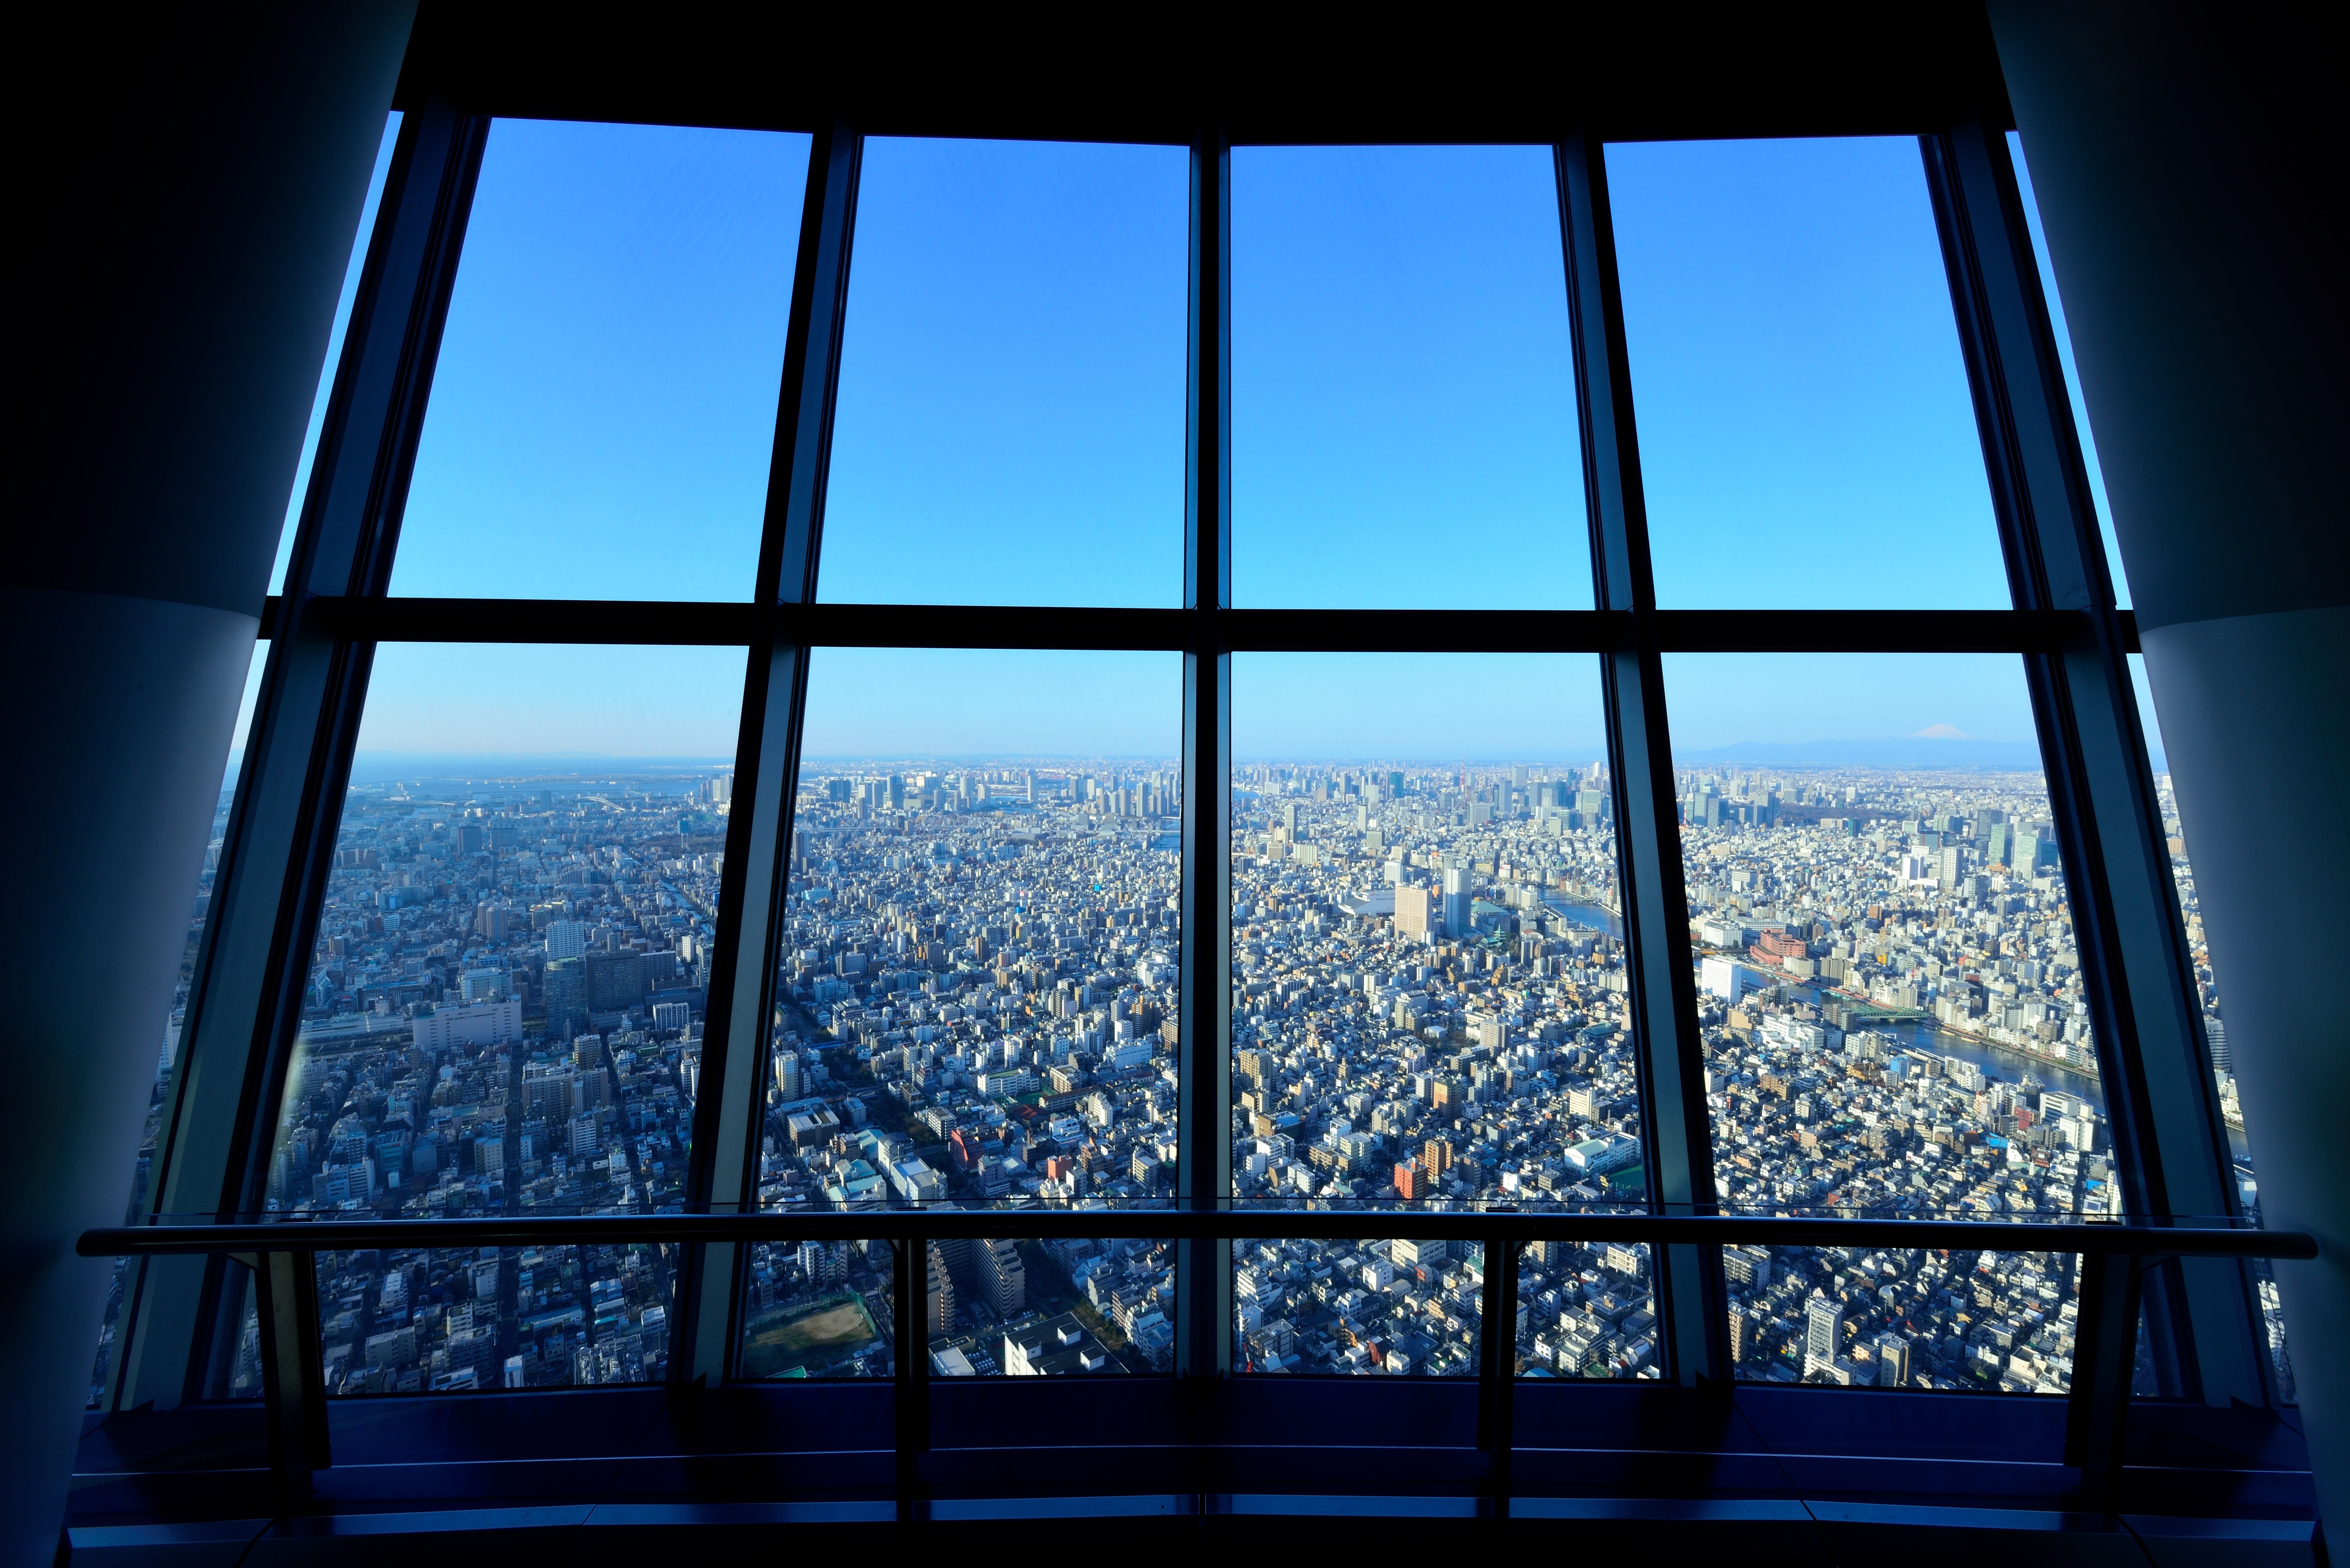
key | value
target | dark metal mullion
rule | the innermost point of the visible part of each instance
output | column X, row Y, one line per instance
column 623, row 622
column 1203, row 1113
column 753, row 884
column 2144, row 1009
column 1678, row 1146
column 255, row 950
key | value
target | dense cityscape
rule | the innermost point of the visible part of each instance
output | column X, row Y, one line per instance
column 975, row 1005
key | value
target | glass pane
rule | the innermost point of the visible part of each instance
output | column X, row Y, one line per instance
column 1989, row 1321
column 1363, row 1307
column 1427, row 959
column 1404, row 427
column 603, row 408
column 1891, row 998
column 2215, row 1028
column 819, row 1309
column 1806, row 434
column 2071, row 374
column 1010, row 422
column 1587, row 1310
column 976, row 990
column 351, row 271
column 505, row 1002
column 1427, row 980
column 142, row 1170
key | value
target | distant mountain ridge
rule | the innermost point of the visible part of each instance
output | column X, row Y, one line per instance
column 1891, row 752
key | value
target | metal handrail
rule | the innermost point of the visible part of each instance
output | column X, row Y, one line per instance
column 2136, row 1238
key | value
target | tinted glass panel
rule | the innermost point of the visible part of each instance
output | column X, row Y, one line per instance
column 142, row 1172
column 505, row 1002
column 1807, row 435
column 603, row 408
column 2072, row 373
column 343, row 303
column 1010, row 423
column 975, row 995
column 1404, row 428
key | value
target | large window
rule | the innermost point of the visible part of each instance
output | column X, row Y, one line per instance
column 1330, row 739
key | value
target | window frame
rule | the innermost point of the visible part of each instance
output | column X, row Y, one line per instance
column 243, row 1008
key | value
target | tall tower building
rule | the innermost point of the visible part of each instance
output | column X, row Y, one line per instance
column 1456, row 901
column 1822, row 1333
column 1002, row 1278
column 939, row 1318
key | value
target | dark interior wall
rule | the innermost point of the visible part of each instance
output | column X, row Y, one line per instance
column 2189, row 162
column 190, row 180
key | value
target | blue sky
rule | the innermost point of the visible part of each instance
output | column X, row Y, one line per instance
column 1010, row 428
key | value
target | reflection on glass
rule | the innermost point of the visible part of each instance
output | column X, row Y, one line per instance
column 1403, row 381
column 1890, row 994
column 975, row 995
column 1359, row 1307
column 1586, row 1311
column 143, row 1171
column 2215, row 1028
column 604, row 407
column 1806, row 434
column 1010, row 424
column 505, row 1002
column 1428, row 991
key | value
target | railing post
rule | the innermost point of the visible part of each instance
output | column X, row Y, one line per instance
column 293, row 1383
column 1497, row 1366
column 2104, row 1360
column 910, row 1349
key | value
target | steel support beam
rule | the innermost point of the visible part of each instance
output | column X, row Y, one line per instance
column 214, row 1148
column 1203, row 1104
column 751, row 894
column 2143, row 1002
column 1690, row 1293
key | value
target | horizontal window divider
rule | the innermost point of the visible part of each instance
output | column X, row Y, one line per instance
column 2137, row 1239
column 1081, row 628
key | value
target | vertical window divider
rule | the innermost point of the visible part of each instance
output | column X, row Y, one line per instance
column 1690, row 1293
column 243, row 1008
column 1203, row 1172
column 2171, row 1146
column 754, row 885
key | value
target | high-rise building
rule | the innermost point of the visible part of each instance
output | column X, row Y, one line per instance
column 939, row 1318
column 1456, row 901
column 567, row 939
column 1415, row 913
column 1412, row 1180
column 1003, row 1277
column 1892, row 1361
column 1822, row 1333
column 566, row 994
